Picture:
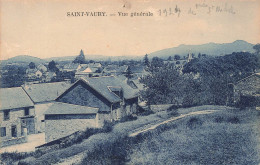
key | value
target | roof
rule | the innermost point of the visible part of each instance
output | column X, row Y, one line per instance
column 255, row 74
column 11, row 98
column 71, row 66
column 116, row 68
column 65, row 108
column 138, row 84
column 31, row 71
column 45, row 91
column 137, row 68
column 95, row 65
column 103, row 85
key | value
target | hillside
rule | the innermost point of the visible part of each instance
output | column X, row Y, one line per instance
column 23, row 59
column 213, row 49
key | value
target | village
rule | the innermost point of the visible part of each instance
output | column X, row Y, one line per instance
column 93, row 96
column 58, row 109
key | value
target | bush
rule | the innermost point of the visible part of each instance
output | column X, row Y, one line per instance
column 233, row 120
column 194, row 122
column 219, row 119
column 128, row 118
column 15, row 156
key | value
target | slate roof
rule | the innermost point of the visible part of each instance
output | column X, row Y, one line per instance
column 137, row 69
column 11, row 98
column 103, row 84
column 115, row 69
column 255, row 74
column 64, row 108
column 71, row 66
column 45, row 91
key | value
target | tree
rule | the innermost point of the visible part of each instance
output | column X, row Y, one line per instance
column 257, row 48
column 32, row 65
column 52, row 66
column 156, row 62
column 146, row 60
column 80, row 58
column 129, row 73
column 177, row 57
column 199, row 55
column 169, row 58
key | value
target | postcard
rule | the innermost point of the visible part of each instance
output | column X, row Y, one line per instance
column 129, row 82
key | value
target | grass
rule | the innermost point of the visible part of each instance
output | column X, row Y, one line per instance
column 221, row 138
column 225, row 137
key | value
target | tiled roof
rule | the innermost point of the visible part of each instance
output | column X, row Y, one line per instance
column 11, row 98
column 102, row 84
column 64, row 108
column 45, row 91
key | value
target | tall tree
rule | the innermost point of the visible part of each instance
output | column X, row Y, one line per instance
column 146, row 60
column 52, row 66
column 177, row 57
column 32, row 65
column 257, row 48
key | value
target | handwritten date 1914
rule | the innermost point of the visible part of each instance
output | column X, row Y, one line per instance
column 169, row 12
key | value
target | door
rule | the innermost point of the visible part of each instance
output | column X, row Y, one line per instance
column 14, row 131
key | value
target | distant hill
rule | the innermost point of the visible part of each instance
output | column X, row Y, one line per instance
column 213, row 49
column 92, row 57
column 23, row 59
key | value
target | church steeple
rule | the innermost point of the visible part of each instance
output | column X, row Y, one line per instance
column 81, row 52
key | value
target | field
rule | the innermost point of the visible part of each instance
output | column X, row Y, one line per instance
column 223, row 137
column 226, row 136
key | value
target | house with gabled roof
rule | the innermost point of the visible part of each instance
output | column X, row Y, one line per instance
column 16, row 116
column 43, row 95
column 114, row 98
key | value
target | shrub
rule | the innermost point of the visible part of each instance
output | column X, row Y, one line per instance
column 194, row 122
column 146, row 113
column 233, row 120
column 15, row 156
column 219, row 119
column 128, row 118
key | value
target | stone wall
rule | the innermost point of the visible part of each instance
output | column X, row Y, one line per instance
column 14, row 120
column 40, row 109
column 55, row 129
column 18, row 140
column 83, row 95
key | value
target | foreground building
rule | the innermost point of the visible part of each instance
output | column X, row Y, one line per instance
column 89, row 103
column 43, row 95
column 16, row 116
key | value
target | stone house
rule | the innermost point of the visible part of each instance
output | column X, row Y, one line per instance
column 62, row 119
column 247, row 90
column 33, row 73
column 16, row 116
column 43, row 95
column 114, row 98
column 88, row 72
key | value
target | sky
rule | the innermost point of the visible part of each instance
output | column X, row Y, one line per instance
column 41, row 28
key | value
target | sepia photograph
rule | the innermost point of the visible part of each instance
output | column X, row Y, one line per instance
column 129, row 82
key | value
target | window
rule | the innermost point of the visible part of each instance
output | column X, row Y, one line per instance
column 6, row 114
column 3, row 131
column 14, row 131
column 26, row 112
